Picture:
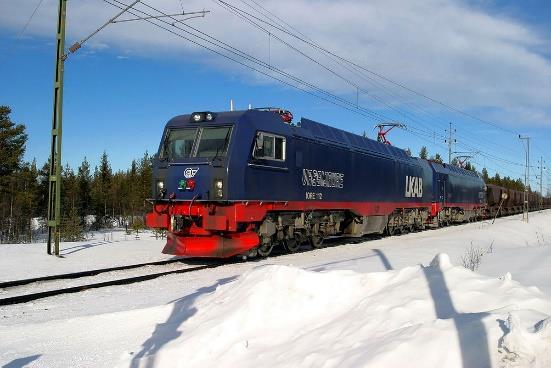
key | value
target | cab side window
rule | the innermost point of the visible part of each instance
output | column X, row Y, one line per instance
column 269, row 147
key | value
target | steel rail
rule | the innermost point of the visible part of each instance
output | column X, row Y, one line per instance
column 76, row 275
column 75, row 289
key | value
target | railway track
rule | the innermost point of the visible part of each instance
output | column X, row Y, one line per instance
column 39, row 281
column 29, row 297
column 75, row 275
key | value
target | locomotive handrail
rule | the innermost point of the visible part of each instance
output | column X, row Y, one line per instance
column 268, row 167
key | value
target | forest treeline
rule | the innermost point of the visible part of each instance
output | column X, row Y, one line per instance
column 92, row 197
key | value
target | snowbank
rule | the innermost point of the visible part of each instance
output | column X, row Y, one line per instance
column 434, row 316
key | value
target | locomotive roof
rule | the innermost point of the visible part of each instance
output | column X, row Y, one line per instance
column 451, row 169
column 306, row 128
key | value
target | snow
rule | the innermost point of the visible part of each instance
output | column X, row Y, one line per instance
column 390, row 302
column 103, row 250
column 287, row 317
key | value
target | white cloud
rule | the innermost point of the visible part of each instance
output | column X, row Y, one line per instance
column 443, row 48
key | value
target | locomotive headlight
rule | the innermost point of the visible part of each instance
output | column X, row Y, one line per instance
column 218, row 188
column 198, row 117
column 161, row 191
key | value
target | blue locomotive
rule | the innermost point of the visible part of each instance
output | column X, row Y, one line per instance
column 244, row 182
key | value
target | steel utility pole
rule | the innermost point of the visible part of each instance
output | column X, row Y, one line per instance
column 450, row 141
column 526, row 178
column 54, row 181
column 54, row 195
column 541, row 182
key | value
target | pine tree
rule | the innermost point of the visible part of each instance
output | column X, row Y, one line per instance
column 12, row 147
column 43, row 188
column 408, row 151
column 69, row 189
column 470, row 167
column 146, row 175
column 26, row 198
column 485, row 176
column 104, row 183
column 84, row 182
column 133, row 189
column 437, row 158
column 424, row 153
column 12, row 143
column 71, row 229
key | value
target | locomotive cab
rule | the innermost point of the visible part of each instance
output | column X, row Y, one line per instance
column 192, row 162
column 199, row 178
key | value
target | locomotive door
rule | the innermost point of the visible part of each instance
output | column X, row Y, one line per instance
column 442, row 181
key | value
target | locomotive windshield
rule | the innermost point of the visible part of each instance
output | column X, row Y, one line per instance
column 179, row 144
column 208, row 142
column 213, row 142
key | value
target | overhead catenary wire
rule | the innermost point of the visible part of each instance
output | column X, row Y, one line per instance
column 309, row 88
column 488, row 155
column 4, row 56
column 35, row 10
column 243, row 14
column 322, row 94
column 447, row 106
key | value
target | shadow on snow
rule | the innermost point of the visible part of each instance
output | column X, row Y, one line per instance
column 167, row 331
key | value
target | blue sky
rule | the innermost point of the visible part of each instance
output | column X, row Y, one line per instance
column 490, row 59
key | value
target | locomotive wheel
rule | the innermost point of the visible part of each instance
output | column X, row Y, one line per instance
column 265, row 249
column 291, row 245
column 316, row 241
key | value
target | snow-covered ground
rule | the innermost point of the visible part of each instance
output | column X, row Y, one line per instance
column 387, row 302
column 105, row 249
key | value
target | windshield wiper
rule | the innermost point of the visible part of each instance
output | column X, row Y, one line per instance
column 164, row 149
column 223, row 146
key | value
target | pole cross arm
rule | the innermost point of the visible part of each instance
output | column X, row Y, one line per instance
column 198, row 14
column 77, row 45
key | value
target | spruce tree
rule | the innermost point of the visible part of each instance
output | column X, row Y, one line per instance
column 424, row 153
column 133, row 189
column 12, row 143
column 12, row 147
column 71, row 228
column 485, row 176
column 69, row 189
column 146, row 174
column 84, row 182
column 43, row 188
column 104, row 179
column 438, row 158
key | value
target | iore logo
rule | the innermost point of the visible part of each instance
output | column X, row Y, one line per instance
column 414, row 187
column 190, row 172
